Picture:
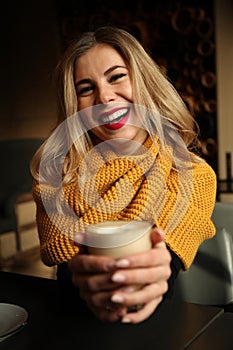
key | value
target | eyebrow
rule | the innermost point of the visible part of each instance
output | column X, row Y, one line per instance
column 83, row 81
column 88, row 81
column 109, row 70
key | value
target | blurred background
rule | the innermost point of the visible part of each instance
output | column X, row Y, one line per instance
column 192, row 40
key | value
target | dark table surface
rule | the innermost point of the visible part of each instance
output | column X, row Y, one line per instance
column 58, row 321
column 218, row 336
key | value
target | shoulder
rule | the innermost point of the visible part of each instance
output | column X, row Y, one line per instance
column 203, row 170
column 198, row 179
column 204, row 181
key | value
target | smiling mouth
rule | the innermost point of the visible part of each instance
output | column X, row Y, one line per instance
column 115, row 117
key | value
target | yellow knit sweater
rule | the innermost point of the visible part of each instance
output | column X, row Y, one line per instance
column 142, row 187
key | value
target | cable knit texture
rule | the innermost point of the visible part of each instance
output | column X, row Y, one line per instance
column 141, row 187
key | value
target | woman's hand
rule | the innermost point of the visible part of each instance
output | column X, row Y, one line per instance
column 149, row 271
column 112, row 287
column 92, row 275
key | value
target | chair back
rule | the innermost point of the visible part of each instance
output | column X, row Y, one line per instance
column 223, row 216
column 209, row 280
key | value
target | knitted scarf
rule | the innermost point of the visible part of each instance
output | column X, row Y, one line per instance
column 143, row 186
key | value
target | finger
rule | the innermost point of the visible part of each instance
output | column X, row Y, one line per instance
column 154, row 257
column 80, row 239
column 142, row 275
column 91, row 263
column 143, row 313
column 103, row 308
column 140, row 296
column 108, row 314
column 101, row 300
column 157, row 235
column 93, row 283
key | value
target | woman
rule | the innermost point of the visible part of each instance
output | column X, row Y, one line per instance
column 110, row 90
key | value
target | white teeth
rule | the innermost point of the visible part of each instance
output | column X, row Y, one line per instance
column 116, row 115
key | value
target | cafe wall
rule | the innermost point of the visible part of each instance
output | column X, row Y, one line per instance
column 224, row 60
column 193, row 47
column 29, row 50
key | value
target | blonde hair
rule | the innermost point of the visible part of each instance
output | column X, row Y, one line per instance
column 151, row 89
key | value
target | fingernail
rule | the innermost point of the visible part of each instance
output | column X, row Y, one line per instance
column 118, row 277
column 125, row 320
column 117, row 298
column 123, row 263
column 79, row 238
column 161, row 232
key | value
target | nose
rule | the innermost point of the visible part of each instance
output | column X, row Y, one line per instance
column 105, row 94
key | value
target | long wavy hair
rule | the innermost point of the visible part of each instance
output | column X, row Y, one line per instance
column 151, row 89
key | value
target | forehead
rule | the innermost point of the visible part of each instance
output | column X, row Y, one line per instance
column 101, row 57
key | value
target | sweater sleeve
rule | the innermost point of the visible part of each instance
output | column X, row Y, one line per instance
column 55, row 231
column 196, row 225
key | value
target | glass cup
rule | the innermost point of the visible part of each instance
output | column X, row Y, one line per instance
column 118, row 239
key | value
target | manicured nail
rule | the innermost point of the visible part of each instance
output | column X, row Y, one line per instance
column 117, row 298
column 161, row 232
column 79, row 238
column 118, row 277
column 125, row 320
column 123, row 263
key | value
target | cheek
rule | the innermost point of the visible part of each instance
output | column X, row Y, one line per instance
column 86, row 116
column 129, row 92
column 84, row 102
column 81, row 105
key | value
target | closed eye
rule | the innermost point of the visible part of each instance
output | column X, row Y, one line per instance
column 85, row 91
column 116, row 77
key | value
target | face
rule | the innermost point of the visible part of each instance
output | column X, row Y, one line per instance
column 102, row 78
